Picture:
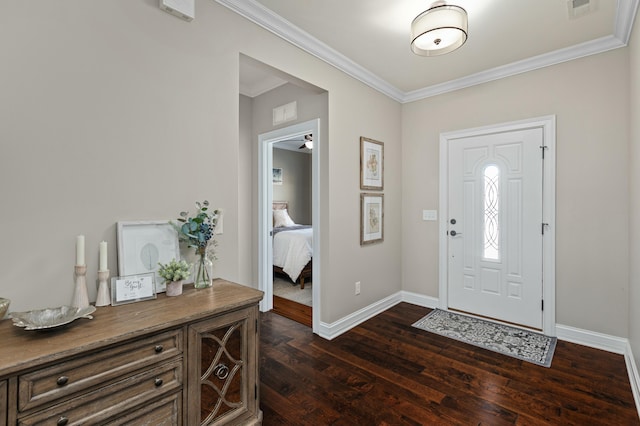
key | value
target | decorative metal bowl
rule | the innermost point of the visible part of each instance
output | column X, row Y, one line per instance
column 4, row 306
column 44, row 319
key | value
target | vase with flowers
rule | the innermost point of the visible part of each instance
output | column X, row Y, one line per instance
column 174, row 273
column 197, row 232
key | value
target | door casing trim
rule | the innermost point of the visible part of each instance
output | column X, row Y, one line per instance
column 265, row 198
column 548, row 126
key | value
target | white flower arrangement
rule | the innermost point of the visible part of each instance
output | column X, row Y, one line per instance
column 174, row 270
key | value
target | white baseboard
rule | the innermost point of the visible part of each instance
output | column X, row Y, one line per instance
column 592, row 339
column 332, row 330
column 634, row 378
column 606, row 342
column 420, row 299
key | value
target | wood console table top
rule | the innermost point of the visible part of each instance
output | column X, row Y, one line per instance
column 114, row 324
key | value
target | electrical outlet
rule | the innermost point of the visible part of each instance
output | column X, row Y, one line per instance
column 357, row 288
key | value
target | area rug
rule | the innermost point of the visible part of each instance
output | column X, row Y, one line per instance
column 288, row 290
column 515, row 342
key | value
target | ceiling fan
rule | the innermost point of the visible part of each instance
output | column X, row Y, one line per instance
column 308, row 142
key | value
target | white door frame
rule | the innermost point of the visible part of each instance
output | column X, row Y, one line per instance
column 265, row 199
column 548, row 126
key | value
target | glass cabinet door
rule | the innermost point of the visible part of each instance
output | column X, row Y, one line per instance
column 222, row 368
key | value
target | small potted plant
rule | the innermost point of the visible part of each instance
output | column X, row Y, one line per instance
column 174, row 273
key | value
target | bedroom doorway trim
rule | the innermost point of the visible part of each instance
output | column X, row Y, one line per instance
column 265, row 200
column 548, row 126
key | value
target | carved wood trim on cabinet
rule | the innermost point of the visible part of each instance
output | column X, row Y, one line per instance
column 133, row 364
column 223, row 369
column 3, row 403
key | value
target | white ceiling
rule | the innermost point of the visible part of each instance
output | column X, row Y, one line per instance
column 369, row 39
column 293, row 145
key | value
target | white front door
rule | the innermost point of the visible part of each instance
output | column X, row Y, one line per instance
column 495, row 226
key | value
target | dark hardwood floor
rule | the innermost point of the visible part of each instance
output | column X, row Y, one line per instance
column 386, row 372
column 292, row 310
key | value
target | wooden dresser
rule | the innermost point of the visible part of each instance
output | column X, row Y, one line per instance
column 186, row 360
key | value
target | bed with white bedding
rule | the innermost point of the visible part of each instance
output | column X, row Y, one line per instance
column 292, row 246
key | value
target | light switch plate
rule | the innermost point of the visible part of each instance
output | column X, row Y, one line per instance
column 429, row 215
column 219, row 229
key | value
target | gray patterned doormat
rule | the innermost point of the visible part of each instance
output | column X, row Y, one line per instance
column 515, row 342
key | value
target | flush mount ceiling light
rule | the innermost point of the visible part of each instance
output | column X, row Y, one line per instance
column 438, row 30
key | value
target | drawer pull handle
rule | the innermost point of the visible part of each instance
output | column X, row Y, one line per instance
column 158, row 382
column 158, row 349
column 221, row 371
column 62, row 421
column 62, row 380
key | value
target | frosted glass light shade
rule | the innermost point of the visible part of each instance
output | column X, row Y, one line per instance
column 439, row 30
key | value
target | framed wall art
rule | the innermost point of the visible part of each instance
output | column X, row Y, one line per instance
column 277, row 176
column 371, row 218
column 144, row 244
column 371, row 164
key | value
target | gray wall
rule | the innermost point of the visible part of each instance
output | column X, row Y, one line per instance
column 590, row 98
column 296, row 183
column 117, row 110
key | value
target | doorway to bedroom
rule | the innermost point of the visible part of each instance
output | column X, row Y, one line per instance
column 293, row 228
column 289, row 221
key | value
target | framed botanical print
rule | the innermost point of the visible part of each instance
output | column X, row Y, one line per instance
column 371, row 218
column 371, row 164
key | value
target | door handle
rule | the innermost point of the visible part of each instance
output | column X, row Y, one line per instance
column 453, row 233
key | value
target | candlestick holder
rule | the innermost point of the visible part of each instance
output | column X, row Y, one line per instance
column 104, row 296
column 80, row 294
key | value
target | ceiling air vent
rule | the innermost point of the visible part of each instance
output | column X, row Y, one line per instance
column 578, row 8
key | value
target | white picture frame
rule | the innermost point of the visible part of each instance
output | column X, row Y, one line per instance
column 132, row 288
column 144, row 244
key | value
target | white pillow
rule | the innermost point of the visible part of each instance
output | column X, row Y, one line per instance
column 281, row 218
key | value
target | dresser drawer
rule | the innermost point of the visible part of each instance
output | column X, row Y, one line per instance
column 80, row 374
column 164, row 412
column 107, row 403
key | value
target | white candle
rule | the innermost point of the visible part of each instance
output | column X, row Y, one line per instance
column 103, row 256
column 80, row 250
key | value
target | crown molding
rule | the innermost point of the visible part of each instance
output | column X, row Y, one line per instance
column 264, row 17
column 625, row 15
column 519, row 67
column 267, row 19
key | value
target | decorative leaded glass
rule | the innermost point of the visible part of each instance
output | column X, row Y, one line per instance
column 492, row 212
